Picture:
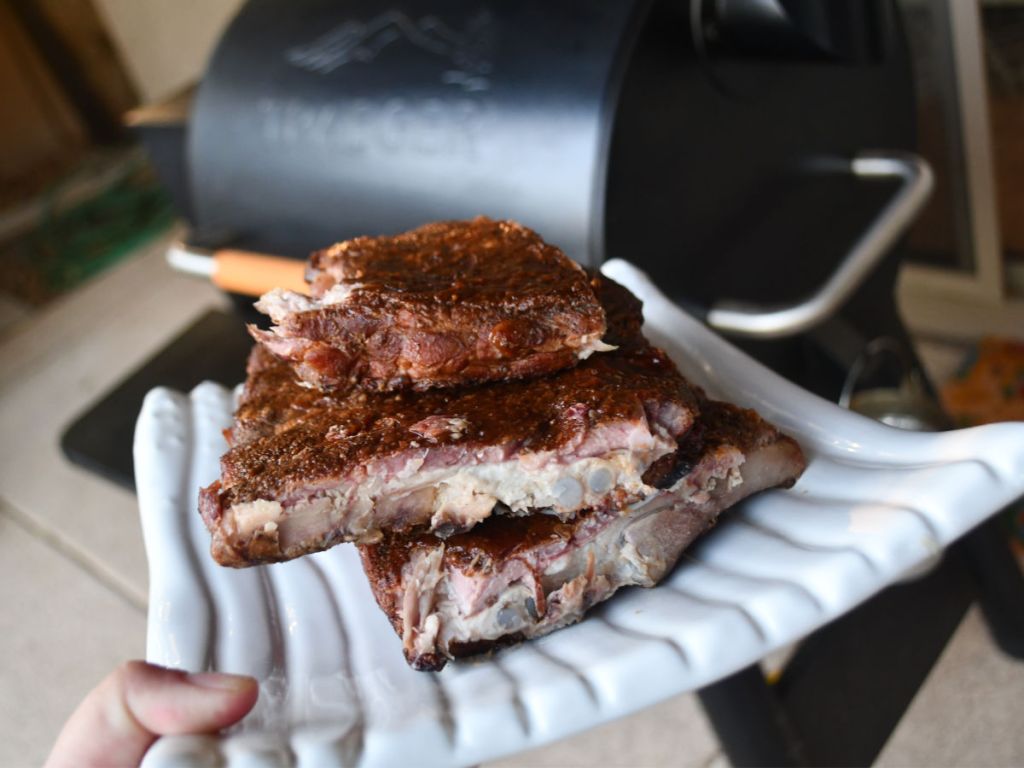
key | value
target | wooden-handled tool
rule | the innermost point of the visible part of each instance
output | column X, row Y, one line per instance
column 245, row 272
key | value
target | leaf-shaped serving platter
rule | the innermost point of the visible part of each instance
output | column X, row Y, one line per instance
column 874, row 505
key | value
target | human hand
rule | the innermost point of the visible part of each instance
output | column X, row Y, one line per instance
column 138, row 702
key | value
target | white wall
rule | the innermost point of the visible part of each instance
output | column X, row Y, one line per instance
column 165, row 43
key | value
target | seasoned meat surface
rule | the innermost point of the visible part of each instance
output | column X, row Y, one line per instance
column 448, row 304
column 513, row 578
column 309, row 469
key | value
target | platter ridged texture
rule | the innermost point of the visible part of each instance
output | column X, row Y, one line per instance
column 874, row 506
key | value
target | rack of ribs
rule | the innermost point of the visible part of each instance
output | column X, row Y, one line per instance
column 450, row 303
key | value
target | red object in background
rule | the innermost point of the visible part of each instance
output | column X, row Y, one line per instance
column 990, row 388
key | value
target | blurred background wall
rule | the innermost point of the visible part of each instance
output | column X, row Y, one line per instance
column 165, row 43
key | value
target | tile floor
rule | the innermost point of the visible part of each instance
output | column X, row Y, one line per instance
column 73, row 572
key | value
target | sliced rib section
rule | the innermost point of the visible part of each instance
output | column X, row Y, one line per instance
column 514, row 578
column 448, row 304
column 309, row 469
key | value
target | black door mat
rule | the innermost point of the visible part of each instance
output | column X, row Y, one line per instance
column 214, row 348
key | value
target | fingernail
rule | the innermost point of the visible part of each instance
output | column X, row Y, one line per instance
column 220, row 681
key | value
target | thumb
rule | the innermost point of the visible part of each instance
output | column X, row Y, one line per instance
column 122, row 716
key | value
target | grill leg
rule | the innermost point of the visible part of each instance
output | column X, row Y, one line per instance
column 849, row 683
column 1000, row 584
column 749, row 721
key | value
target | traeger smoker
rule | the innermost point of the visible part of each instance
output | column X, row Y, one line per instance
column 750, row 155
column 753, row 156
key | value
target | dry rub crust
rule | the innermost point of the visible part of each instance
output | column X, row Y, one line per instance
column 726, row 433
column 451, row 303
column 288, row 440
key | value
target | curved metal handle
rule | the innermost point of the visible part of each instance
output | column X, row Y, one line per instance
column 895, row 217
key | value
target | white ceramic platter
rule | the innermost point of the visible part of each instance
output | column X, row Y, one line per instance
column 873, row 505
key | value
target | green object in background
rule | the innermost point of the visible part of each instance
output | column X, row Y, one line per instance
column 69, row 246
